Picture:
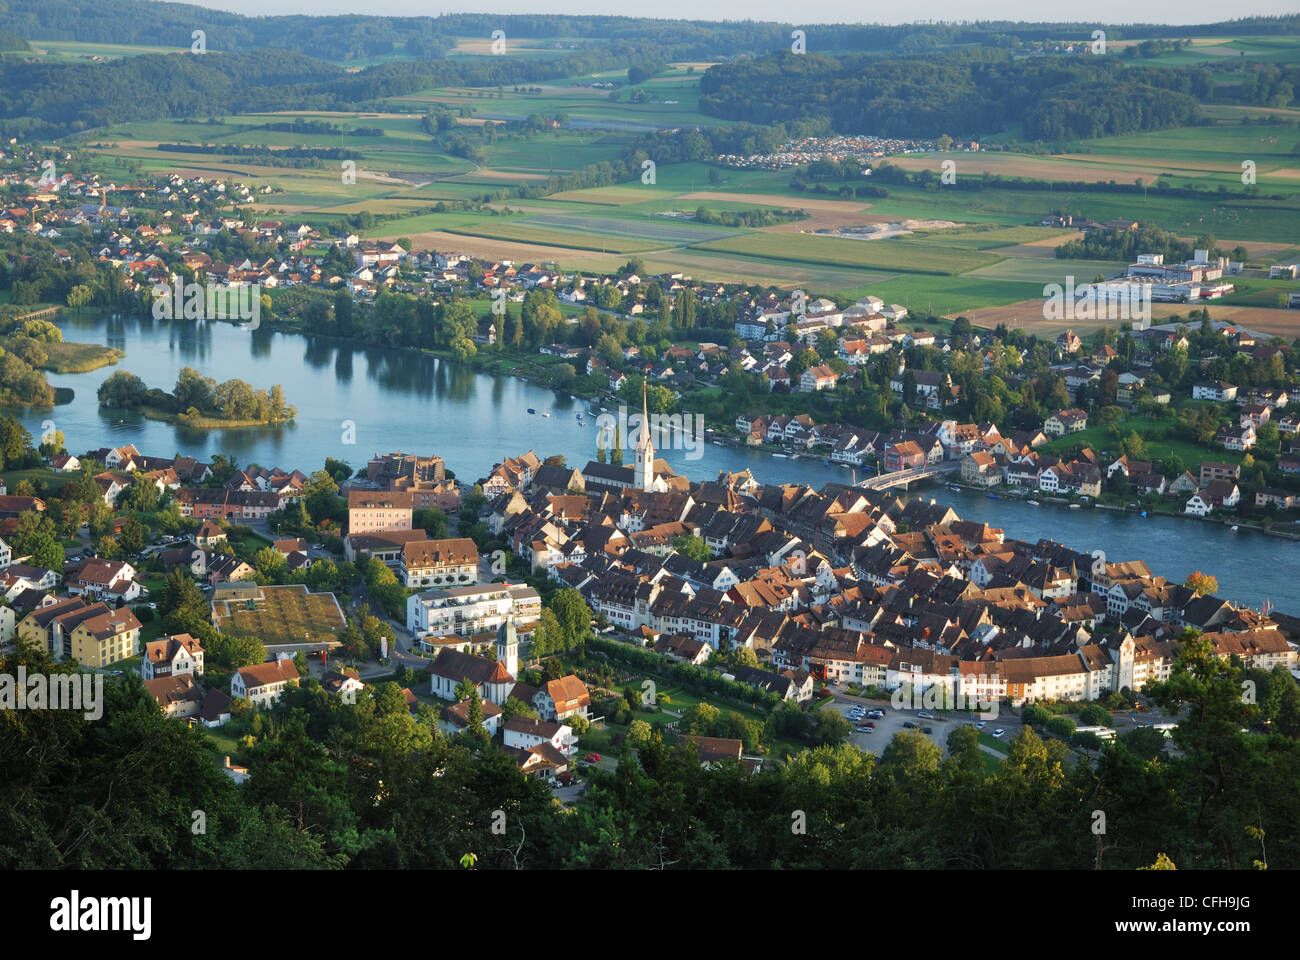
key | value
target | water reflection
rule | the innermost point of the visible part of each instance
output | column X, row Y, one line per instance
column 410, row 401
column 343, row 364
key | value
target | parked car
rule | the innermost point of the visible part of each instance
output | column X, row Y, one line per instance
column 592, row 758
column 981, row 725
column 908, row 724
column 925, row 716
column 998, row 732
column 863, row 729
column 927, row 730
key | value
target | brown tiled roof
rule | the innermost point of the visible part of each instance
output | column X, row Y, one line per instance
column 716, row 748
column 568, row 692
column 215, row 703
column 537, row 728
column 264, row 674
column 162, row 650
column 110, row 624
column 456, row 666
column 437, row 553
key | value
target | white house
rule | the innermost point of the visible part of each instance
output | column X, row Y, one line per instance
column 558, row 699
column 172, row 656
column 263, row 683
column 525, row 733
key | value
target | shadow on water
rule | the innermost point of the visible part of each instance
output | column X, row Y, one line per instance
column 343, row 364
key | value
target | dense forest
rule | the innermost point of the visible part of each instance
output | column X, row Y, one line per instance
column 371, row 786
column 956, row 95
column 912, row 81
column 353, row 37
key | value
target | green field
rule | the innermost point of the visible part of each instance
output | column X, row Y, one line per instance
column 994, row 257
column 906, row 256
column 523, row 232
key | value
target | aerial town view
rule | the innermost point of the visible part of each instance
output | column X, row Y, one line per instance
column 553, row 439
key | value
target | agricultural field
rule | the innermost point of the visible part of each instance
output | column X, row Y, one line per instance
column 992, row 262
column 906, row 256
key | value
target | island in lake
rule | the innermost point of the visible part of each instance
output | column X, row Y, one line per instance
column 30, row 345
column 198, row 401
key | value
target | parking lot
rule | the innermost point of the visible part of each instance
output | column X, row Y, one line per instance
column 894, row 720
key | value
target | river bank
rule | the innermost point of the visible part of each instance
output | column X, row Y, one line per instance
column 411, row 401
column 1037, row 498
column 206, row 423
column 69, row 357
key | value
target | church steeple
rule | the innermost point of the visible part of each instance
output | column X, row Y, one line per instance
column 644, row 468
column 508, row 647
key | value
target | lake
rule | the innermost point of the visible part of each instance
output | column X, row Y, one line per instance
column 385, row 400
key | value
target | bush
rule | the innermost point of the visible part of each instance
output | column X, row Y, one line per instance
column 1095, row 715
column 1034, row 716
column 1062, row 727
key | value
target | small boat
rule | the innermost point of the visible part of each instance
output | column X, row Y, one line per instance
column 1032, row 503
column 531, row 410
column 546, row 413
column 954, row 488
column 1235, row 528
column 578, row 415
column 1144, row 513
column 604, row 410
column 1075, row 506
column 992, row 496
column 826, row 463
column 781, row 455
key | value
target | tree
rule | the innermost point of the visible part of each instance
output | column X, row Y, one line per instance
column 693, row 546
column 1062, row 727
column 573, row 617
column 79, row 296
column 1095, row 715
column 1034, row 716
column 1201, row 584
column 44, row 551
column 514, row 707
column 639, row 733
column 741, row 656
column 132, row 535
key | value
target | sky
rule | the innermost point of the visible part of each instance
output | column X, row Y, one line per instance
column 808, row 11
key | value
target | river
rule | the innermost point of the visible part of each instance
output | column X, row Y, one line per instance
column 385, row 400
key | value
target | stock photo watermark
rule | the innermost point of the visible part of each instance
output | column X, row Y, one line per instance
column 952, row 694
column 1097, row 301
column 670, row 431
column 210, row 301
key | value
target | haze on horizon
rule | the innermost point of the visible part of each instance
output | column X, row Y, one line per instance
column 811, row 11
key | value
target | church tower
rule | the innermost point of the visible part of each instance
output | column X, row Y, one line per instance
column 508, row 647
column 643, row 470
